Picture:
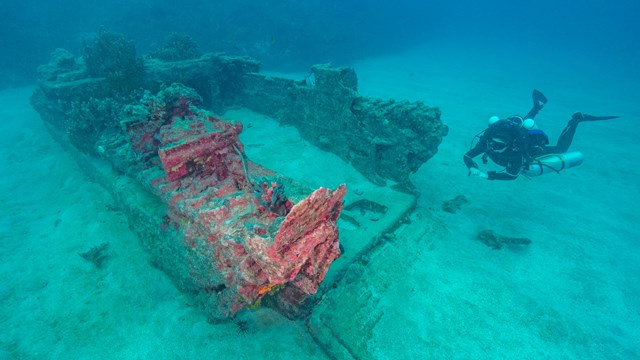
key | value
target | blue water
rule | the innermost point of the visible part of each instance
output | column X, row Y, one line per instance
column 572, row 294
column 298, row 33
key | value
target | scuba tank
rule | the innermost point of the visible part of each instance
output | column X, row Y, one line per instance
column 553, row 163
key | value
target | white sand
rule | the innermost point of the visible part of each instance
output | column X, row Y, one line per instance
column 580, row 272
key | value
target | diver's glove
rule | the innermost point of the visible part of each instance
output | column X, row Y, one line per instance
column 477, row 173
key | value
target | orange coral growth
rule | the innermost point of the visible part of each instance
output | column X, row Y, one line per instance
column 266, row 288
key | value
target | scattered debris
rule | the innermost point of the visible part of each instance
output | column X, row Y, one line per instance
column 455, row 204
column 367, row 208
column 497, row 241
column 97, row 255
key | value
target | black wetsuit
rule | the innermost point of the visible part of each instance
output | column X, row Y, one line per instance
column 505, row 144
column 508, row 144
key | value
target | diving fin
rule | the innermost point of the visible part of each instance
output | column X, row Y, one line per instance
column 586, row 117
column 538, row 99
column 538, row 103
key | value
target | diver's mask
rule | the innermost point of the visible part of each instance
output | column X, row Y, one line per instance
column 515, row 120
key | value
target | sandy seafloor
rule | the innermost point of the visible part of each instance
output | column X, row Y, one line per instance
column 575, row 288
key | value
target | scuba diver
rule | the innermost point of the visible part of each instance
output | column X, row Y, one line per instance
column 521, row 148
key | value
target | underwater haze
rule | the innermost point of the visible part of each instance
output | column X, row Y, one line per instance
column 299, row 33
column 556, row 278
column 280, row 33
